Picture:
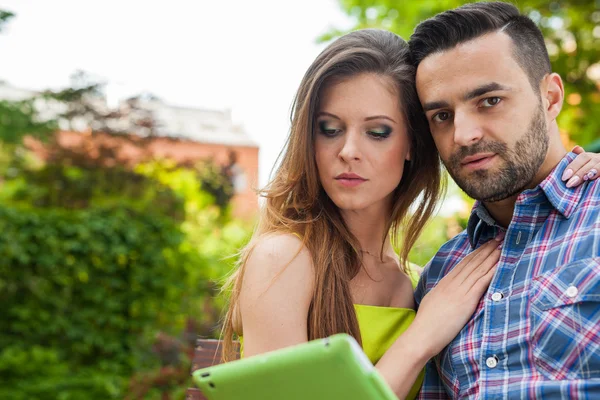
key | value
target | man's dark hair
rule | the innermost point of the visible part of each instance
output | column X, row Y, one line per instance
column 462, row 24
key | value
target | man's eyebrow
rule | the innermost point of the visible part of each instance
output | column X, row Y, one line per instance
column 481, row 90
column 434, row 105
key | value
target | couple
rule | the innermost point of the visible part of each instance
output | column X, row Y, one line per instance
column 507, row 309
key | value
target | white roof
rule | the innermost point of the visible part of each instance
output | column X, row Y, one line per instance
column 11, row 93
column 200, row 125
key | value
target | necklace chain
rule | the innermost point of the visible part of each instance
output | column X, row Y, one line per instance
column 369, row 253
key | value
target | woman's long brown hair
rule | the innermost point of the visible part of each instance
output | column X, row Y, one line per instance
column 296, row 202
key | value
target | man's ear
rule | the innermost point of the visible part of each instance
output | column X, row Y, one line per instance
column 553, row 94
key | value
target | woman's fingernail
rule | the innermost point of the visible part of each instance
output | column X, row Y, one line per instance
column 500, row 235
column 567, row 174
column 591, row 173
column 573, row 181
column 586, row 177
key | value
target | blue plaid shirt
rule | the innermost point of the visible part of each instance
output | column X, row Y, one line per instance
column 536, row 333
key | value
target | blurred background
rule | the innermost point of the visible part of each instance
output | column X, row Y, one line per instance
column 132, row 137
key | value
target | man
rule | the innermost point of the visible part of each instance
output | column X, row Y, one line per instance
column 485, row 83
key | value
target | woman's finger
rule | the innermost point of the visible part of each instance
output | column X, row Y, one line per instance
column 578, row 149
column 586, row 171
column 483, row 283
column 592, row 173
column 482, row 269
column 484, row 251
column 477, row 255
column 575, row 170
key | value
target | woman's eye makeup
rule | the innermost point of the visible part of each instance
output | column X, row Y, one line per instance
column 380, row 132
column 331, row 130
column 327, row 129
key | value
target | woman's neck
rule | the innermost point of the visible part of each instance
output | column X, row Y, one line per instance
column 369, row 228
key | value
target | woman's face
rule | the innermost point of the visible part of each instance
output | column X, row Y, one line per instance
column 361, row 141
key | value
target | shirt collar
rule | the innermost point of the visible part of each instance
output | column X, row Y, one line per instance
column 565, row 200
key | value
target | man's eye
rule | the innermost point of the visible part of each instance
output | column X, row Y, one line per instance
column 490, row 102
column 441, row 116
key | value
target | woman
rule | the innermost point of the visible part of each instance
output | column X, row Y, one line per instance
column 322, row 258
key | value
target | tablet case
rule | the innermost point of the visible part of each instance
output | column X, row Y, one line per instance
column 322, row 369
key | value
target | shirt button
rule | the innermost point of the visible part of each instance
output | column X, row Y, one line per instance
column 497, row 296
column 571, row 291
column 492, row 362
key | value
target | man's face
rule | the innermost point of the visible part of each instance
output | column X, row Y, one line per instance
column 487, row 121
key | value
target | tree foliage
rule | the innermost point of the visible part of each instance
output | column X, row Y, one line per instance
column 82, row 292
column 109, row 278
column 83, row 104
column 20, row 118
column 571, row 29
column 5, row 16
column 109, row 269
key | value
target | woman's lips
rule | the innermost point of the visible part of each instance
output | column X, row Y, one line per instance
column 350, row 182
column 350, row 179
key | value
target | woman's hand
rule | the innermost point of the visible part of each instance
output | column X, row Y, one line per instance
column 443, row 312
column 584, row 167
column 446, row 309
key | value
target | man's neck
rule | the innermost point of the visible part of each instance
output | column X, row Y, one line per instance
column 502, row 211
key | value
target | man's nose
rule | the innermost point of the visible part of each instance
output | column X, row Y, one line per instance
column 467, row 130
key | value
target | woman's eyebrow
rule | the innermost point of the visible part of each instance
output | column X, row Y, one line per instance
column 320, row 113
column 380, row 117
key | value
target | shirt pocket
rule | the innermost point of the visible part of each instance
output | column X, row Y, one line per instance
column 565, row 320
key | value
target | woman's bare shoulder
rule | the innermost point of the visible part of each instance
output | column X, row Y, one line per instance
column 279, row 259
column 276, row 292
column 279, row 250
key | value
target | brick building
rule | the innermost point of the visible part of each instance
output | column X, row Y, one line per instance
column 187, row 135
column 211, row 134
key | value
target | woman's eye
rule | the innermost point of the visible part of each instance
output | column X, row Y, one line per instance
column 327, row 130
column 490, row 102
column 441, row 116
column 380, row 133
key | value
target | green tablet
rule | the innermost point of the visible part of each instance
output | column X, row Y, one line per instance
column 322, row 369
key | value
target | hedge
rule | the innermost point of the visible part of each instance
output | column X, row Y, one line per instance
column 82, row 294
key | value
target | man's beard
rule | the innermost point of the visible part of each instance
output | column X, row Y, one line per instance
column 521, row 163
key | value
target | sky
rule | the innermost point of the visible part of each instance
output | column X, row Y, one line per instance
column 246, row 56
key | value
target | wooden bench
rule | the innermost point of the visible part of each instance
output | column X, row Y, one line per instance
column 207, row 353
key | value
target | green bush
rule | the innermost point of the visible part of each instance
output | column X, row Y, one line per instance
column 107, row 275
column 83, row 292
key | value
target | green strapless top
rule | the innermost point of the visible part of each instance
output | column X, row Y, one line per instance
column 380, row 327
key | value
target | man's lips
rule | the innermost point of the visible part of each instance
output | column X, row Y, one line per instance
column 476, row 157
column 477, row 161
